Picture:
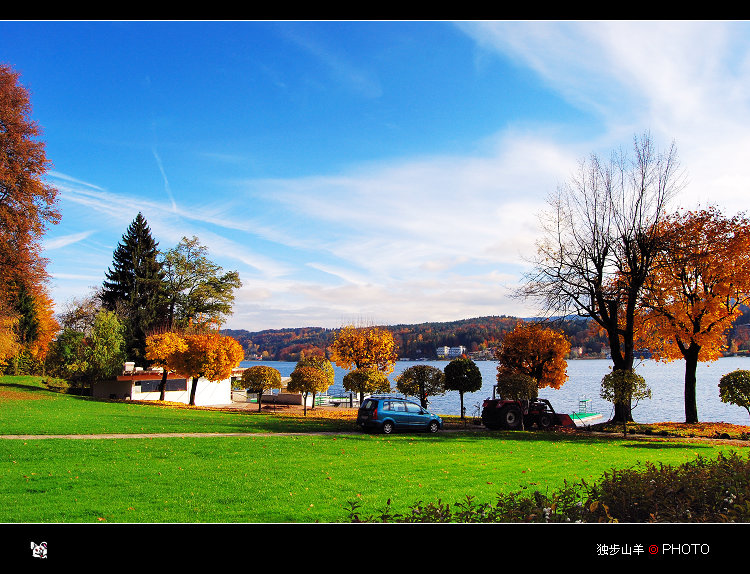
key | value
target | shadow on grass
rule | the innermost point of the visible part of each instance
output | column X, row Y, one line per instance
column 22, row 387
column 667, row 444
column 484, row 435
column 547, row 437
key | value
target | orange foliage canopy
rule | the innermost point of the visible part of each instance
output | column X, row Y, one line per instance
column 209, row 355
column 8, row 340
column 700, row 282
column 162, row 347
column 364, row 347
column 537, row 351
column 46, row 324
column 27, row 206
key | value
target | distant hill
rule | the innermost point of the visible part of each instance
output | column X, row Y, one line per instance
column 415, row 341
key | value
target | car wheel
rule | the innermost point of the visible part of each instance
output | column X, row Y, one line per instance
column 387, row 427
column 433, row 426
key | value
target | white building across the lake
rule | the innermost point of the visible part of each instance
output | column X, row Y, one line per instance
column 446, row 352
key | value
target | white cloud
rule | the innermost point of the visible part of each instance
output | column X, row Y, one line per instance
column 65, row 240
column 687, row 82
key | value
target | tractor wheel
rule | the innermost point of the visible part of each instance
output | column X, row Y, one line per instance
column 491, row 424
column 489, row 419
column 545, row 421
column 387, row 427
column 511, row 417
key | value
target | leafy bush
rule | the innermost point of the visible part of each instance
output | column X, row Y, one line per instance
column 698, row 491
column 57, row 385
column 734, row 388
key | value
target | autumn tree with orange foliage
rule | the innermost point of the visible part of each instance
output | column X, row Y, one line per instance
column 364, row 348
column 209, row 354
column 536, row 351
column 160, row 350
column 696, row 291
column 8, row 341
column 27, row 207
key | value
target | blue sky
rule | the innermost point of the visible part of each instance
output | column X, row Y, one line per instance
column 386, row 172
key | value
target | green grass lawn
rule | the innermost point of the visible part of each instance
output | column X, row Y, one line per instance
column 256, row 478
column 27, row 407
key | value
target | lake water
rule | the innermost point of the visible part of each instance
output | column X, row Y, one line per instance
column 666, row 381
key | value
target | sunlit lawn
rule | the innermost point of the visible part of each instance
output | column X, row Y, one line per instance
column 255, row 478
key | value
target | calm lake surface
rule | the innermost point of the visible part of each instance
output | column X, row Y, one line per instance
column 666, row 381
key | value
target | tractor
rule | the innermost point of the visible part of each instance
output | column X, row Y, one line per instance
column 514, row 414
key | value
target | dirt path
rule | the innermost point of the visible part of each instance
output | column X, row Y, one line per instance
column 165, row 435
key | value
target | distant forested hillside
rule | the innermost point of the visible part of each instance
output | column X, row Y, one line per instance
column 480, row 335
column 282, row 344
column 417, row 341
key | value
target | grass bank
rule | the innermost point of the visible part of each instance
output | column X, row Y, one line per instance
column 29, row 407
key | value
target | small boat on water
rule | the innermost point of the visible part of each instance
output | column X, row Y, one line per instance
column 585, row 418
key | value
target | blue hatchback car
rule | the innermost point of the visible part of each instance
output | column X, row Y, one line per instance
column 388, row 414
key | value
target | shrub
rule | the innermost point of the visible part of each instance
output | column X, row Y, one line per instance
column 734, row 388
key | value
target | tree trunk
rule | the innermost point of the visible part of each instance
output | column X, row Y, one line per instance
column 623, row 411
column 304, row 404
column 260, row 396
column 691, row 365
column 163, row 385
column 461, row 394
column 622, row 360
column 192, row 390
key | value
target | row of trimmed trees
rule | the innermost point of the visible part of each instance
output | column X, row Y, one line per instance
column 531, row 350
column 370, row 354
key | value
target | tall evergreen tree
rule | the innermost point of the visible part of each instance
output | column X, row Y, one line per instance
column 134, row 287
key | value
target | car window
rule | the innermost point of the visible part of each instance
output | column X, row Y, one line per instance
column 386, row 405
column 369, row 405
column 413, row 408
column 398, row 406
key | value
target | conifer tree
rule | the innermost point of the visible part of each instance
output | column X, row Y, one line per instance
column 134, row 287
